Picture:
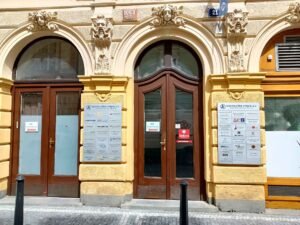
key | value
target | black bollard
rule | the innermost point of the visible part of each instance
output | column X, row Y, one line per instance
column 19, row 208
column 184, row 217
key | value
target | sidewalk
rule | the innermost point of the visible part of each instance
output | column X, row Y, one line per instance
column 73, row 213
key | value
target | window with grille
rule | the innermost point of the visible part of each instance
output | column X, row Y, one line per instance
column 288, row 54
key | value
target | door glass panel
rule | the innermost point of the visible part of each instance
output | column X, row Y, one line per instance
column 151, row 62
column 183, row 60
column 184, row 134
column 66, row 133
column 30, row 134
column 152, row 134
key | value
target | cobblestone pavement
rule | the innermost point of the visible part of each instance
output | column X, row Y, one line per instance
column 34, row 215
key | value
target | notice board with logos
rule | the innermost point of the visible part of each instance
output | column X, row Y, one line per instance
column 239, row 133
column 102, row 141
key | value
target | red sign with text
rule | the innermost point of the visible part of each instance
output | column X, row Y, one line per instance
column 184, row 133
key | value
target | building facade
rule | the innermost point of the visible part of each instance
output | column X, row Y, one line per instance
column 109, row 100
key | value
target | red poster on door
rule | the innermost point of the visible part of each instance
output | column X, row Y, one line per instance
column 184, row 133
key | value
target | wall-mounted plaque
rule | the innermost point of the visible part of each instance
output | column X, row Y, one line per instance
column 102, row 141
column 129, row 15
column 239, row 133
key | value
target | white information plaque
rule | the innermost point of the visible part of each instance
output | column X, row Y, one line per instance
column 239, row 133
column 102, row 141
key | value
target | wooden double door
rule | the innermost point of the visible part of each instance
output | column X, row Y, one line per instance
column 167, row 145
column 46, row 139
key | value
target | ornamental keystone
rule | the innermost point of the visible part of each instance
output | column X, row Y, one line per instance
column 42, row 20
column 166, row 15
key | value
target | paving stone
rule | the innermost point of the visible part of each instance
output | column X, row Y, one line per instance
column 70, row 214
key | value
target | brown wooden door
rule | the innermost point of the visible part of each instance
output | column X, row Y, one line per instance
column 46, row 140
column 167, row 146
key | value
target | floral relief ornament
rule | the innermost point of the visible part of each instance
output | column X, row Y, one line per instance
column 294, row 13
column 42, row 20
column 102, row 63
column 236, row 62
column 237, row 22
column 166, row 15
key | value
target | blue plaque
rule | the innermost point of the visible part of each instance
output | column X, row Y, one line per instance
column 212, row 12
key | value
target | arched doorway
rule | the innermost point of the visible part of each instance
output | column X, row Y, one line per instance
column 46, row 109
column 168, row 122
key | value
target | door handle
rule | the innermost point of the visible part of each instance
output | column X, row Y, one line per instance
column 51, row 142
column 164, row 143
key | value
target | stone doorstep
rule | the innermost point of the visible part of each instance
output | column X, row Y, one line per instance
column 168, row 205
column 136, row 204
column 42, row 201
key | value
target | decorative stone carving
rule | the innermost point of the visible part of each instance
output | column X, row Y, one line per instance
column 237, row 22
column 166, row 15
column 102, row 30
column 236, row 95
column 294, row 13
column 236, row 62
column 236, row 26
column 42, row 20
column 102, row 63
column 103, row 97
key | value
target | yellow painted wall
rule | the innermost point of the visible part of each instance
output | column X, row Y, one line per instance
column 102, row 178
column 5, row 133
column 238, row 182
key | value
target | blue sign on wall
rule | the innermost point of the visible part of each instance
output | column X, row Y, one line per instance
column 212, row 12
column 223, row 7
column 221, row 11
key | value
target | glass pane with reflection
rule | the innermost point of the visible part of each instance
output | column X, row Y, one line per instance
column 66, row 133
column 30, row 134
column 184, row 135
column 282, row 116
column 49, row 59
column 151, row 62
column 152, row 134
column 183, row 60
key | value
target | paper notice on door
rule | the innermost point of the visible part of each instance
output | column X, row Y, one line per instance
column 31, row 127
column 152, row 126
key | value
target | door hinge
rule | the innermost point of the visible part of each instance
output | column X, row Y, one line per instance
column 17, row 124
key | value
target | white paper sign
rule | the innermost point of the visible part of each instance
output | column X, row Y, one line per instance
column 152, row 126
column 238, row 133
column 31, row 127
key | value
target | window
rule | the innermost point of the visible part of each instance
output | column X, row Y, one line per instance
column 168, row 55
column 281, row 60
column 288, row 54
column 49, row 59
